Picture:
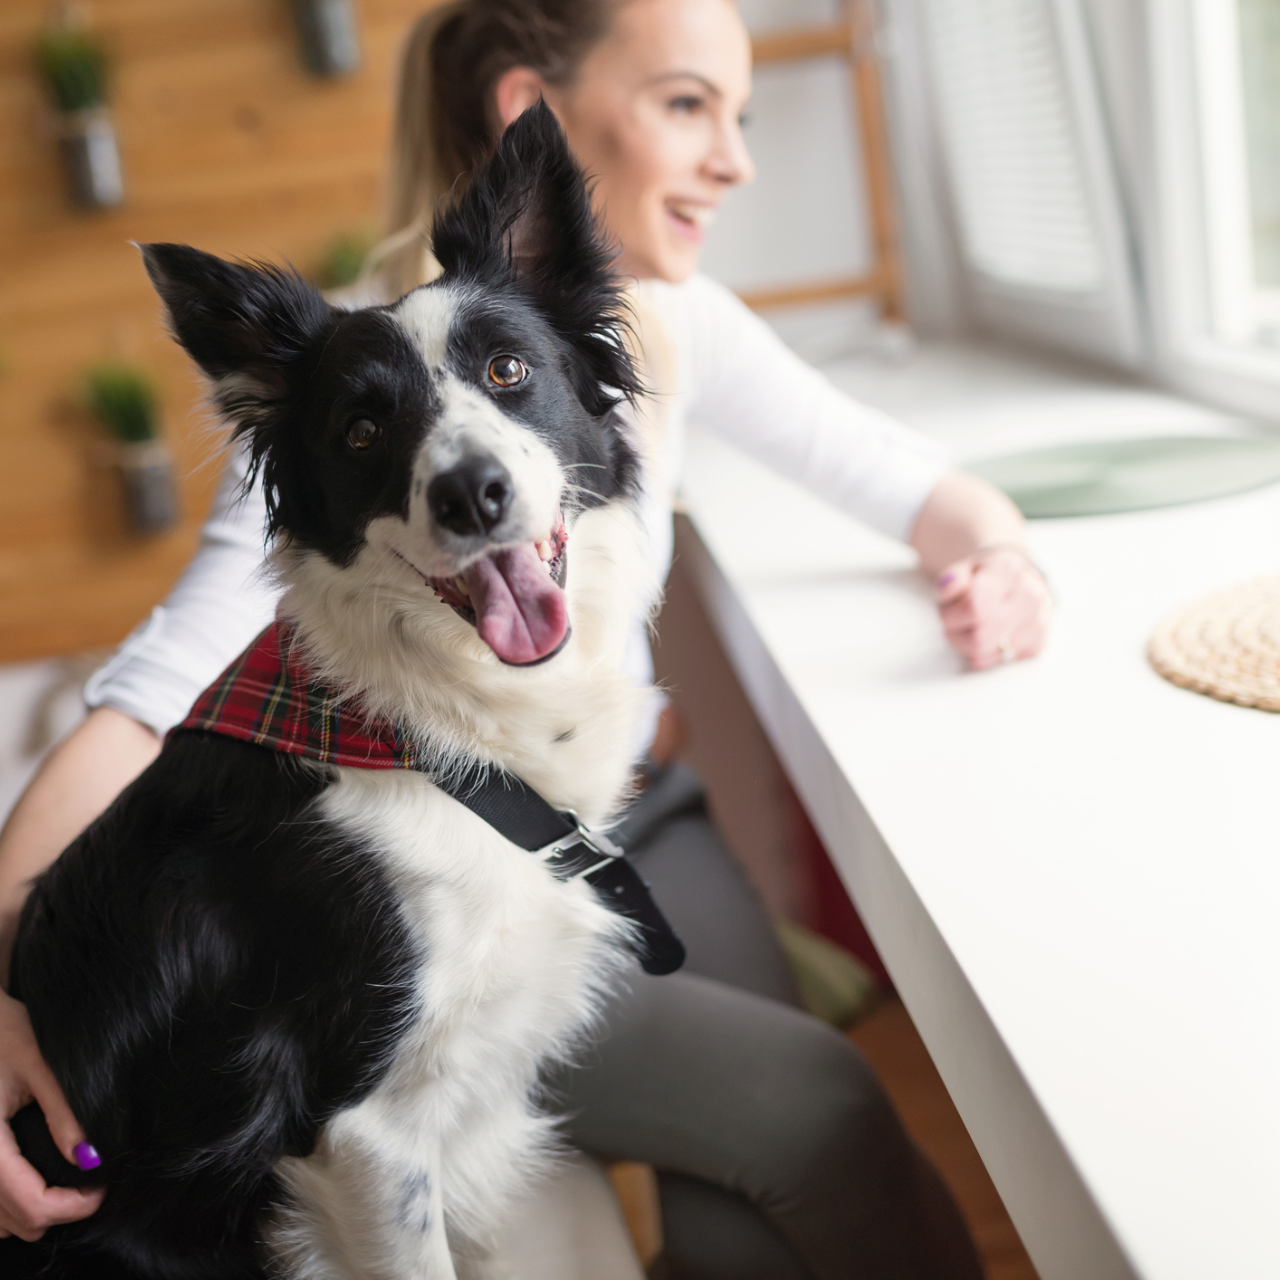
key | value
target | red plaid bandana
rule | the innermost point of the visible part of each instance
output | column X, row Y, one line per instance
column 268, row 696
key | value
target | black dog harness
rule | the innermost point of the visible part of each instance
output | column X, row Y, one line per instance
column 573, row 852
column 269, row 697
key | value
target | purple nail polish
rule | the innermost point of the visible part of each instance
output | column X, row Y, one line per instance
column 946, row 580
column 87, row 1156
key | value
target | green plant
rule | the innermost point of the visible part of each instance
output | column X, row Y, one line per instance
column 123, row 399
column 74, row 65
column 343, row 259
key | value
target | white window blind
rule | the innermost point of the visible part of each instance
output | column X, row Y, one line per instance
column 1019, row 117
column 1010, row 141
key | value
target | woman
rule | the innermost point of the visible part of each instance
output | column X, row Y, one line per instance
column 778, row 1152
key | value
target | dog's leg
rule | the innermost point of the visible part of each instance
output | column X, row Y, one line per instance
column 493, row 1156
column 475, row 1263
column 365, row 1205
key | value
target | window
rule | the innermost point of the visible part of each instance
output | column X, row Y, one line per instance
column 1015, row 166
column 1213, row 204
column 1043, row 236
column 1237, row 45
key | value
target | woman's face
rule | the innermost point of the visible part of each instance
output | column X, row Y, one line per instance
column 654, row 117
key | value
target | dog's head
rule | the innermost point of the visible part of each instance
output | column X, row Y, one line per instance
column 455, row 435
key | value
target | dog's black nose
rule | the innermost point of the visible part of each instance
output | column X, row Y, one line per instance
column 471, row 498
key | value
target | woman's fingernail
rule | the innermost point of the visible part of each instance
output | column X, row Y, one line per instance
column 946, row 580
column 86, row 1155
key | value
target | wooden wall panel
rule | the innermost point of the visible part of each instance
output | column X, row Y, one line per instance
column 226, row 144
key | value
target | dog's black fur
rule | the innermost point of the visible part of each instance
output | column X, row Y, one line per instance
column 211, row 973
column 202, row 976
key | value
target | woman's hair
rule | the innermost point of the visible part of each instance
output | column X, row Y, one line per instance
column 445, row 123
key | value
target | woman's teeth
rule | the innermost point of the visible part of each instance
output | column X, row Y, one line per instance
column 698, row 215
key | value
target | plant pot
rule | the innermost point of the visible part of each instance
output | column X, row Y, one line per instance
column 150, row 487
column 330, row 41
column 88, row 142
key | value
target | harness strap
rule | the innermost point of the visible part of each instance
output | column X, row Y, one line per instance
column 573, row 852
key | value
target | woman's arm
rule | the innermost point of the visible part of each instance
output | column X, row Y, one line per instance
column 77, row 781
column 746, row 385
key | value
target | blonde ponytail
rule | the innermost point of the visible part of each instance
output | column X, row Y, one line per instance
column 416, row 184
column 444, row 123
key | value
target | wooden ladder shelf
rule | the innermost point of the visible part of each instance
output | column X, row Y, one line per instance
column 853, row 39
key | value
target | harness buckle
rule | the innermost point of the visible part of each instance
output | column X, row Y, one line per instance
column 581, row 836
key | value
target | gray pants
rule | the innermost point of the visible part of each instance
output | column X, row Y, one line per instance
column 777, row 1151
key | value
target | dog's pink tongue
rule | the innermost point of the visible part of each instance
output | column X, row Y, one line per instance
column 520, row 612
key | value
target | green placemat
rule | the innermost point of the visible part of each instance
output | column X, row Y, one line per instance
column 1105, row 476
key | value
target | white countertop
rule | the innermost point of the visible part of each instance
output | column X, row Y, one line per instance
column 1071, row 867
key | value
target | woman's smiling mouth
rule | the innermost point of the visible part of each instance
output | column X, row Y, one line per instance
column 689, row 218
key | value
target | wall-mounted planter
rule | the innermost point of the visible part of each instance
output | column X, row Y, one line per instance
column 329, row 36
column 75, row 67
column 150, row 486
column 124, row 399
column 92, row 158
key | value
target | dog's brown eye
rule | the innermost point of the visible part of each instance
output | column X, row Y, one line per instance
column 507, row 371
column 362, row 433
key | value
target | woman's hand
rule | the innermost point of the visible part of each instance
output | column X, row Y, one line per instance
column 994, row 602
column 28, row 1207
column 995, row 606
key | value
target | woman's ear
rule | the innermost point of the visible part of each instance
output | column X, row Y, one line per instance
column 516, row 91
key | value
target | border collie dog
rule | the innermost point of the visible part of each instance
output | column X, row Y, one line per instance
column 300, row 1008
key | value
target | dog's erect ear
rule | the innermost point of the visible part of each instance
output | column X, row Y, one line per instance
column 527, row 217
column 234, row 319
column 249, row 328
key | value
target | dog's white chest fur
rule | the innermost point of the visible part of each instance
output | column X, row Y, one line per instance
column 513, row 962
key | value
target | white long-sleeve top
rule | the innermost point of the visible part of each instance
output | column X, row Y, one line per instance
column 725, row 370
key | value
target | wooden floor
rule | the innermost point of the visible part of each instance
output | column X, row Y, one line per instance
column 895, row 1050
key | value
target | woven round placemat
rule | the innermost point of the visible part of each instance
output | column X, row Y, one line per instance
column 1226, row 645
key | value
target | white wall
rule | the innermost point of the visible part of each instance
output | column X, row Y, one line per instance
column 804, row 219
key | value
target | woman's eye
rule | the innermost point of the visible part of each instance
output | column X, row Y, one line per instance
column 362, row 433
column 686, row 102
column 507, row 371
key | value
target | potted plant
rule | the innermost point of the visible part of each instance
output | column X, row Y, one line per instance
column 75, row 68
column 123, row 399
column 343, row 259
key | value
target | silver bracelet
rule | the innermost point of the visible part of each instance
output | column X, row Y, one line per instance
column 1019, row 550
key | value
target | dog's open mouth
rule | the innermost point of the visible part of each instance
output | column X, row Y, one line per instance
column 514, row 597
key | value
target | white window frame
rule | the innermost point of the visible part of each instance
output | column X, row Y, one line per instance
column 1105, row 323
column 1204, row 306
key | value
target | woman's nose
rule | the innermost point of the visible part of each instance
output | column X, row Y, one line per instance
column 730, row 162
